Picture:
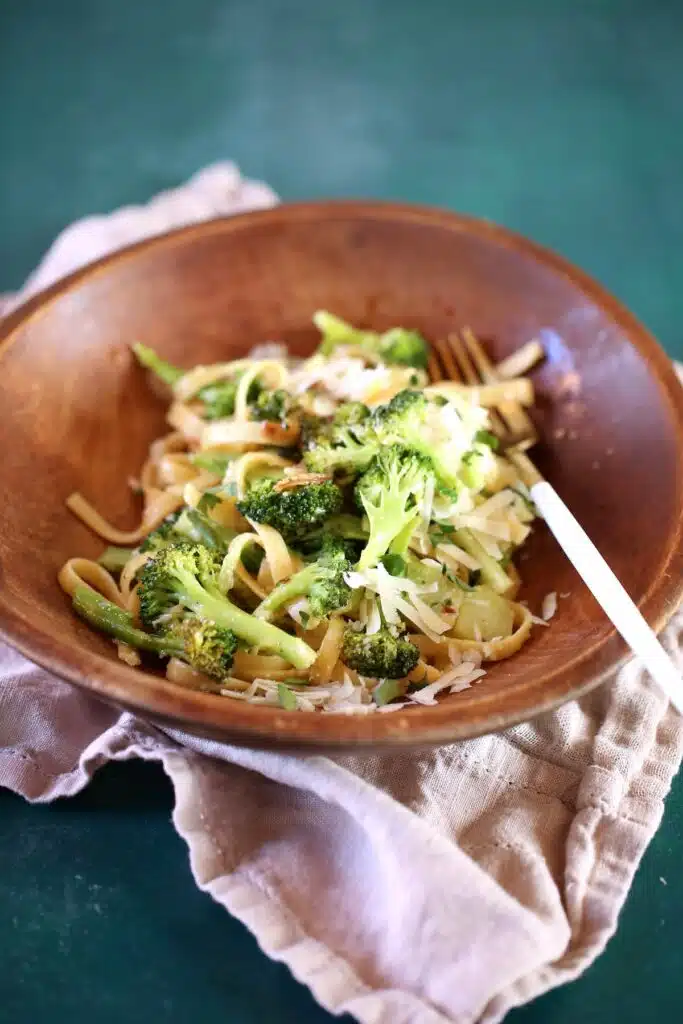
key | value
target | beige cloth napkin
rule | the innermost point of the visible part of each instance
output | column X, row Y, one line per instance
column 439, row 887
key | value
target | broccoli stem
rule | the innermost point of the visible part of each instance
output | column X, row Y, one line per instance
column 388, row 690
column 297, row 585
column 255, row 632
column 113, row 559
column 200, row 528
column 492, row 572
column 107, row 617
column 383, row 533
column 148, row 358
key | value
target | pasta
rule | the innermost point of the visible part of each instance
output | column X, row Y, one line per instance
column 330, row 534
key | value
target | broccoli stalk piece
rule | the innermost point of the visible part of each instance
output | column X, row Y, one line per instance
column 107, row 617
column 398, row 345
column 189, row 524
column 195, row 525
column 148, row 358
column 390, row 492
column 187, row 574
column 293, row 512
column 214, row 461
column 218, row 399
column 322, row 583
column 491, row 571
column 206, row 647
column 114, row 559
column 379, row 655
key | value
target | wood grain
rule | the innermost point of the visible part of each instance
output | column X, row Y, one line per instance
column 76, row 413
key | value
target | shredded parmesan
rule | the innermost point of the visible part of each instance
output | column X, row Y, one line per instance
column 455, row 556
column 549, row 606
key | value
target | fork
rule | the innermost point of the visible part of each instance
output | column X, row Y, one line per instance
column 462, row 358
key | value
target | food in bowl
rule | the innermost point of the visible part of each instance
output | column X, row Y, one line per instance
column 332, row 533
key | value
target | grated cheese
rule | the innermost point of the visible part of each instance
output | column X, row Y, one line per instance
column 490, row 527
column 549, row 606
column 451, row 553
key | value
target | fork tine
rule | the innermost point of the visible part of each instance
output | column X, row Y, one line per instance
column 434, row 370
column 467, row 369
column 479, row 357
column 451, row 368
column 512, row 414
column 461, row 353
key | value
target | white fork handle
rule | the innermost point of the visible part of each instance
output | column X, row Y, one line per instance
column 608, row 591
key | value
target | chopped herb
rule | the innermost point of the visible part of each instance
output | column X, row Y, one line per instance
column 394, row 564
column 252, row 556
column 208, row 500
column 305, row 618
column 526, row 499
column 486, row 437
column 286, row 697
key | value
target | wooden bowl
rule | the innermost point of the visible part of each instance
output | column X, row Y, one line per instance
column 76, row 413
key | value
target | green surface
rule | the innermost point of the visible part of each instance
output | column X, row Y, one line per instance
column 561, row 120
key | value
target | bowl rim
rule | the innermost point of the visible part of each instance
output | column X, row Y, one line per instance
column 259, row 726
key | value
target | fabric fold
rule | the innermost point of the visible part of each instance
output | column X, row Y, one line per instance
column 417, row 888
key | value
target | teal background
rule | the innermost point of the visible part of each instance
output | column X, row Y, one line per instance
column 561, row 120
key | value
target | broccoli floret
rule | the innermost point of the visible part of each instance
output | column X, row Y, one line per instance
column 292, row 512
column 207, row 647
column 274, row 406
column 148, row 358
column 379, row 655
column 407, row 348
column 350, row 414
column 163, row 535
column 322, row 583
column 398, row 345
column 390, row 492
column 186, row 575
column 412, row 419
column 343, row 528
column 339, row 445
column 429, row 424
